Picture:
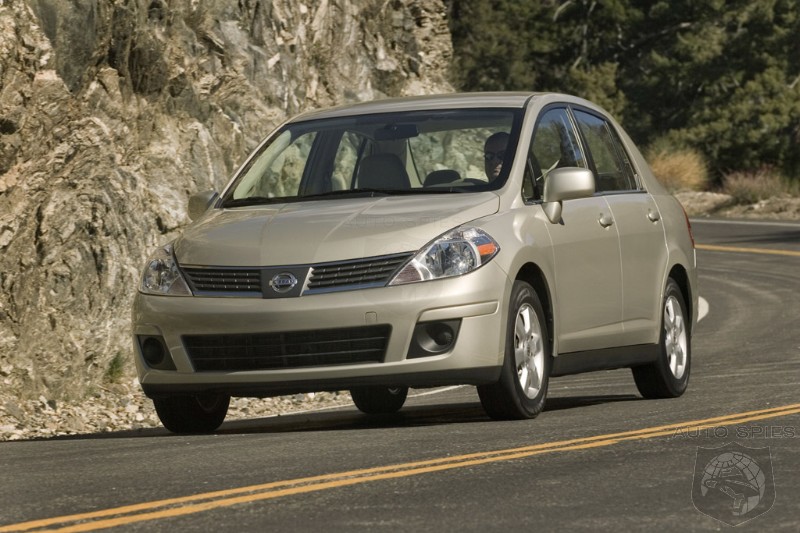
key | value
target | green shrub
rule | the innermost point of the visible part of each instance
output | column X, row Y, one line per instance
column 116, row 368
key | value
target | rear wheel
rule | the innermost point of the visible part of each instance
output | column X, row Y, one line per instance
column 201, row 413
column 379, row 400
column 668, row 376
column 522, row 388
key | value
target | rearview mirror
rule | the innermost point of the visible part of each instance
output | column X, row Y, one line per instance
column 566, row 183
column 199, row 203
column 394, row 132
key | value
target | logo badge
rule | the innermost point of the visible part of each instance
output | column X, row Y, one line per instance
column 283, row 282
column 733, row 483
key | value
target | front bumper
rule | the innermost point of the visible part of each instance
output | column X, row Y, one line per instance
column 476, row 299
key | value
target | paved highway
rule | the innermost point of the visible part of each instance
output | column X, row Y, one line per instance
column 598, row 458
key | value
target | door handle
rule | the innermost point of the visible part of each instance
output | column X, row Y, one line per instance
column 605, row 220
column 654, row 216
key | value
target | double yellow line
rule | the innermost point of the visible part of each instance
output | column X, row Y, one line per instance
column 186, row 505
column 738, row 249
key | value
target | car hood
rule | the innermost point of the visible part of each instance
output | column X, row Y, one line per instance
column 326, row 230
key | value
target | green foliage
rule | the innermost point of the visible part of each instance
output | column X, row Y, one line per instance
column 495, row 45
column 718, row 76
column 598, row 84
column 116, row 368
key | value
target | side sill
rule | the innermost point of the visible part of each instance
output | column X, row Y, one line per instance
column 605, row 359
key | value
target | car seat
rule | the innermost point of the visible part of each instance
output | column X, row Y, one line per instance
column 382, row 171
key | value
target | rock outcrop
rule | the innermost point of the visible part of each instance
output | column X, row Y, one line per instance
column 112, row 112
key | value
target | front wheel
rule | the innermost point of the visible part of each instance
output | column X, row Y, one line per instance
column 202, row 413
column 522, row 388
column 379, row 400
column 668, row 376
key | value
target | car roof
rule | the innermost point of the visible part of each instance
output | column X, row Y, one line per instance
column 422, row 103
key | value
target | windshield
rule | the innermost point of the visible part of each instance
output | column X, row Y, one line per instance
column 426, row 152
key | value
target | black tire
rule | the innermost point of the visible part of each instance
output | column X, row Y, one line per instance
column 527, row 359
column 379, row 400
column 668, row 376
column 192, row 414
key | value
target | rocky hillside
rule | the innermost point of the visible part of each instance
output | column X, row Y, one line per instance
column 112, row 112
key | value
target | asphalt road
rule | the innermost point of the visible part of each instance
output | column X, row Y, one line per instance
column 598, row 458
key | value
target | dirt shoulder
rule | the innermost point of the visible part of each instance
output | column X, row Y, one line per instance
column 699, row 204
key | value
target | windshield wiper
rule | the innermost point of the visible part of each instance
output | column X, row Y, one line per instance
column 250, row 200
column 368, row 192
column 365, row 192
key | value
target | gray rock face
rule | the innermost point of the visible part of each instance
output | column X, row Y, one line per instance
column 112, row 112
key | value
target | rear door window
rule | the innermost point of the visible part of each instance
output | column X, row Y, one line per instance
column 614, row 170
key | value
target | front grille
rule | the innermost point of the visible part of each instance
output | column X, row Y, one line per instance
column 296, row 349
column 370, row 271
column 223, row 279
column 325, row 277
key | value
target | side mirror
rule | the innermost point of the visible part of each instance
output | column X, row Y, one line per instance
column 562, row 184
column 199, row 202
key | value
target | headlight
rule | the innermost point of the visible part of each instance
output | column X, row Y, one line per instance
column 455, row 253
column 161, row 275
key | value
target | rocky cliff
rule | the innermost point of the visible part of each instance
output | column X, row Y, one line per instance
column 112, row 112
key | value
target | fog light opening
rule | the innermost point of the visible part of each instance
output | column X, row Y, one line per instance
column 433, row 338
column 153, row 351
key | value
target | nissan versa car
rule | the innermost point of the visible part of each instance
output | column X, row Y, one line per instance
column 490, row 239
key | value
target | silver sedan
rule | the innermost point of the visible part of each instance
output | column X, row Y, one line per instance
column 490, row 239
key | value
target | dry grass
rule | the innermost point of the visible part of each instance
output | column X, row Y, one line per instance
column 752, row 187
column 680, row 169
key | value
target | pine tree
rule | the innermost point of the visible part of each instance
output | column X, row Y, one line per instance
column 719, row 76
